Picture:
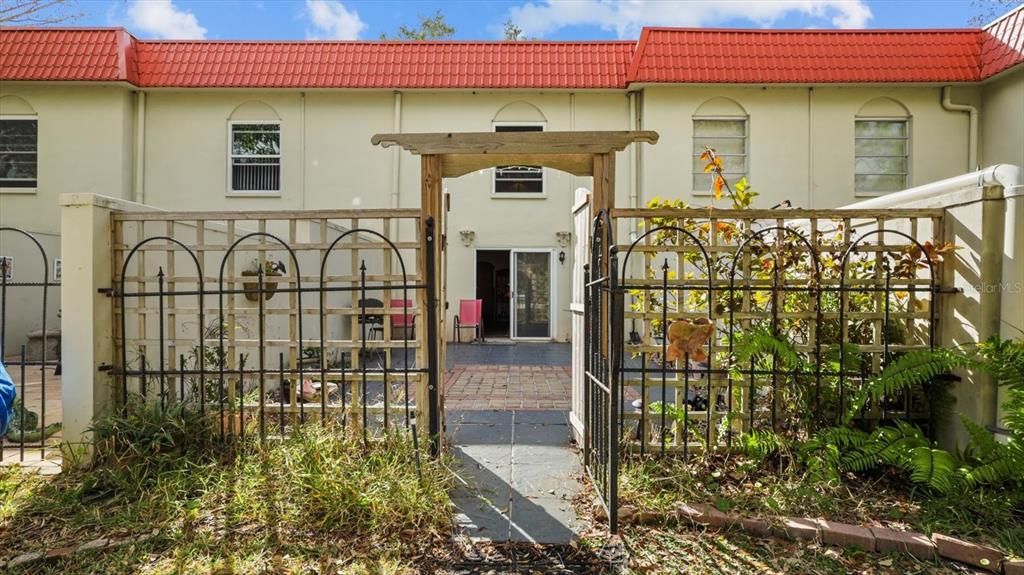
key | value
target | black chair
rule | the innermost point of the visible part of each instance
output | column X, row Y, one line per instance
column 374, row 321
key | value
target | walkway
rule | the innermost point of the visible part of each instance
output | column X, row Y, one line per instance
column 518, row 469
column 520, row 475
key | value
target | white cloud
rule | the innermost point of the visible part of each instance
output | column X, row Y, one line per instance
column 627, row 17
column 162, row 19
column 332, row 20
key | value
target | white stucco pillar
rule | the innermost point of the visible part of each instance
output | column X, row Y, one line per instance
column 87, row 317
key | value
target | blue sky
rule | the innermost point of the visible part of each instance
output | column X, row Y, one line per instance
column 547, row 19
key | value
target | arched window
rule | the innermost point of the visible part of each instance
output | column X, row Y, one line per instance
column 19, row 139
column 519, row 181
column 720, row 124
column 254, row 149
column 881, row 148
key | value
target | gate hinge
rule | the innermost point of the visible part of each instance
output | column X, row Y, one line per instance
column 106, row 291
column 104, row 367
column 947, row 289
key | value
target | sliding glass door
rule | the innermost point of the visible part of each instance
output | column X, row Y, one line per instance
column 532, row 289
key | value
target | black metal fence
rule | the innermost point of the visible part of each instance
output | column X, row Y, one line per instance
column 601, row 403
column 31, row 427
column 374, row 377
column 701, row 329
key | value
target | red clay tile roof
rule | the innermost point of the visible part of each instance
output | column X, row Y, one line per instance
column 385, row 64
column 86, row 54
column 1002, row 44
column 663, row 55
column 702, row 56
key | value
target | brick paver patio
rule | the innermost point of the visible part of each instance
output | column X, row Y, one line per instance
column 499, row 386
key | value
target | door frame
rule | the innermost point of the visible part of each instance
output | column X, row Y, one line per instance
column 552, row 293
column 553, row 287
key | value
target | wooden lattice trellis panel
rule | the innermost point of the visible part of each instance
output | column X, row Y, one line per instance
column 743, row 295
column 332, row 261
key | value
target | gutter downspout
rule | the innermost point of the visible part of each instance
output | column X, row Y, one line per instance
column 634, row 155
column 396, row 156
column 302, row 172
column 139, row 196
column 810, row 146
column 972, row 137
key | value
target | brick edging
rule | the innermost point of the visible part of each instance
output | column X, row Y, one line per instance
column 873, row 539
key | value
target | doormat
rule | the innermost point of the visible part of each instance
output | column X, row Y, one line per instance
column 496, row 342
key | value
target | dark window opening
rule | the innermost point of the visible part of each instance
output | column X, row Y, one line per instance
column 519, row 179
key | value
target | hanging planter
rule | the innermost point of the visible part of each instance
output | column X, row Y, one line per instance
column 270, row 270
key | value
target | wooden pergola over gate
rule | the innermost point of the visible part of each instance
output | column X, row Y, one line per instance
column 450, row 155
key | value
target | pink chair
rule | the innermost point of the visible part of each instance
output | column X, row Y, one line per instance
column 471, row 316
column 405, row 322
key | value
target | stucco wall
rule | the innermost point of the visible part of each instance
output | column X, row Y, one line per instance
column 801, row 144
column 328, row 162
column 800, row 149
column 1002, row 120
column 84, row 145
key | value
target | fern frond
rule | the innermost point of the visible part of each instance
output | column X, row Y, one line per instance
column 761, row 445
column 1004, row 359
column 935, row 468
column 763, row 343
column 1003, row 465
column 911, row 370
column 982, row 444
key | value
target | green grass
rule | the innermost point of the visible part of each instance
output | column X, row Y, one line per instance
column 314, row 502
column 737, row 484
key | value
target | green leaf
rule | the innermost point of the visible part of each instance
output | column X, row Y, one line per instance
column 934, row 468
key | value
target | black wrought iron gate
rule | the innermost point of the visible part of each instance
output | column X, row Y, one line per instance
column 602, row 400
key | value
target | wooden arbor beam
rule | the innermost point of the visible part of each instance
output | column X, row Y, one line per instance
column 534, row 143
column 463, row 153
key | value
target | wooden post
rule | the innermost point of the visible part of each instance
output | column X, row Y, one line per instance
column 431, row 209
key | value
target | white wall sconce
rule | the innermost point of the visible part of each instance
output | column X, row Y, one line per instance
column 467, row 237
column 563, row 238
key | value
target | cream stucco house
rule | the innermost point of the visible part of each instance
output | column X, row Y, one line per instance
column 819, row 118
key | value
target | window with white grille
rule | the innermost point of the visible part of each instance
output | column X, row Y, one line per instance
column 728, row 138
column 255, row 156
column 19, row 137
column 519, row 180
column 882, row 156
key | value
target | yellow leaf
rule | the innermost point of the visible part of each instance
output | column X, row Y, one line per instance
column 719, row 184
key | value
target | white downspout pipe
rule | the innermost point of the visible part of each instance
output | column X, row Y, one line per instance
column 396, row 158
column 972, row 136
column 634, row 155
column 139, row 196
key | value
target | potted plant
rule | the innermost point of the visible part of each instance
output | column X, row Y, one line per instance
column 270, row 269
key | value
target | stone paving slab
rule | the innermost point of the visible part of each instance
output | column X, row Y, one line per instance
column 520, row 477
column 543, row 520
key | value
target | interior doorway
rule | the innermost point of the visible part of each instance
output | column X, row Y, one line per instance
column 517, row 289
column 494, row 288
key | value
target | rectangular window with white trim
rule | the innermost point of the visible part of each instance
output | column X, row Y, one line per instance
column 255, row 157
column 511, row 181
column 882, row 156
column 728, row 138
column 19, row 138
